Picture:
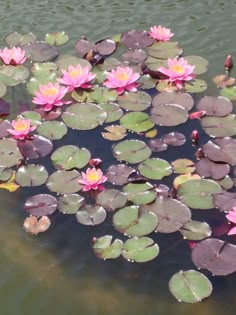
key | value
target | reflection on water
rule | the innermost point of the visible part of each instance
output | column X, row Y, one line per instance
column 57, row 272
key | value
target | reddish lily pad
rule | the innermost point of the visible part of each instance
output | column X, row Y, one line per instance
column 136, row 39
column 5, row 108
column 40, row 205
column 169, row 115
column 215, row 106
column 184, row 100
column 91, row 215
column 34, row 225
column 223, row 150
column 111, row 199
column 36, row 147
column 225, row 201
column 119, row 174
column 134, row 56
column 174, row 138
column 4, row 125
column 157, row 145
column 40, row 51
column 207, row 168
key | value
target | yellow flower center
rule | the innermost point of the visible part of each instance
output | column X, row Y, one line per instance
column 177, row 68
column 93, row 176
column 50, row 91
column 20, row 126
column 122, row 76
column 74, row 73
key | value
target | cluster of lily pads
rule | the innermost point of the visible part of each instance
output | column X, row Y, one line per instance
column 139, row 88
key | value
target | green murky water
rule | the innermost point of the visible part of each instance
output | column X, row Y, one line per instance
column 57, row 273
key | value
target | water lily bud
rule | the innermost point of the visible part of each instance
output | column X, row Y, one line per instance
column 199, row 154
column 95, row 162
column 94, row 239
column 197, row 115
column 228, row 62
column 195, row 136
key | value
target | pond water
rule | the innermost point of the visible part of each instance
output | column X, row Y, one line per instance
column 57, row 272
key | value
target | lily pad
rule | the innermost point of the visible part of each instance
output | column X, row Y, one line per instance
column 136, row 39
column 223, row 150
column 183, row 166
column 114, row 133
column 169, row 115
column 146, row 82
column 138, row 101
column 17, row 39
column 39, row 69
column 40, row 51
column 200, row 64
column 229, row 92
column 34, row 83
column 13, row 75
column 195, row 86
column 184, row 100
column 134, row 55
column 64, row 182
column 174, row 138
column 111, row 199
column 91, row 215
column 70, row 204
column 222, row 81
column 137, row 121
column 207, row 168
column 84, row 116
column 103, row 95
column 34, row 225
column 179, row 180
column 36, row 147
column 132, row 221
column 157, row 145
column 199, row 193
column 9, row 153
column 53, row 130
column 165, row 50
column 220, row 126
column 113, row 111
column 5, row 108
column 5, row 174
column 140, row 250
column 40, row 205
column 190, row 286
column 31, row 175
column 215, row 106
column 215, row 255
column 225, row 201
column 105, row 249
column 64, row 61
column 119, row 174
column 131, row 151
column 3, row 89
column 155, row 168
column 140, row 193
column 56, row 38
column 195, row 230
column 35, row 118
column 69, row 157
column 4, row 125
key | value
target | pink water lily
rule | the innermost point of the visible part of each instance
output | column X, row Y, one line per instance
column 12, row 56
column 178, row 72
column 231, row 216
column 21, row 128
column 77, row 77
column 160, row 33
column 122, row 79
column 50, row 95
column 93, row 179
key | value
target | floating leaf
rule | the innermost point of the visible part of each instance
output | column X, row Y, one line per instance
column 140, row 249
column 134, row 56
column 137, row 121
column 151, row 133
column 153, row 64
column 5, row 108
column 56, row 38
column 65, row 61
column 140, row 193
column 4, row 125
column 17, row 39
column 133, row 222
column 64, row 182
column 169, row 115
column 35, row 118
column 34, row 226
column 5, row 174
column 119, row 174
column 220, row 126
column 113, row 111
column 91, row 215
column 138, row 101
column 39, row 69
column 190, row 286
column 157, row 145
column 13, row 75
column 184, row 100
column 224, row 150
column 225, row 201
column 195, row 230
column 40, row 51
column 105, row 249
column 36, row 147
column 216, row 256
column 199, row 63
column 114, row 133
column 9, row 153
column 53, row 130
column 155, row 168
column 183, row 166
column 174, row 139
column 111, row 199
column 31, row 175
column 131, row 151
column 103, row 95
column 195, row 86
column 3, row 89
column 40, row 205
column 70, row 204
column 10, row 185
column 207, row 168
column 165, row 50
column 223, row 81
column 84, row 116
column 179, row 180
column 136, row 39
column 70, row 156
column 215, row 106
column 226, row 182
column 229, row 92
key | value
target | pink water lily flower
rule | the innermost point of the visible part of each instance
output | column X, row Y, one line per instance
column 231, row 216
column 21, row 128
column 12, row 56
column 93, row 179
column 50, row 95
column 122, row 79
column 160, row 33
column 77, row 77
column 178, row 72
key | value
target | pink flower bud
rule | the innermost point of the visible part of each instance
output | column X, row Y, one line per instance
column 197, row 115
column 195, row 136
column 228, row 62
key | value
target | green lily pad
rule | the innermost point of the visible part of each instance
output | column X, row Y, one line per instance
column 111, row 199
column 146, row 82
column 113, row 111
column 70, row 156
column 164, row 50
column 9, row 153
column 140, row 194
column 200, row 64
column 229, row 92
column 105, row 249
column 140, row 249
column 103, row 95
column 5, row 174
column 154, row 63
column 131, row 151
column 226, row 183
column 53, row 130
column 195, row 86
column 136, row 121
column 190, row 286
column 80, row 96
column 42, row 79
column 183, row 166
column 17, row 39
column 40, row 68
column 31, row 175
column 56, row 38
column 138, row 101
column 220, row 126
column 91, row 215
column 195, row 230
column 133, row 222
column 35, row 118
column 64, row 182
column 70, row 204
column 65, row 61
column 199, row 193
column 169, row 115
column 13, row 75
column 3, row 89
column 84, row 116
column 155, row 168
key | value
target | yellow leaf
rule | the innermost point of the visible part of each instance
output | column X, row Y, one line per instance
column 151, row 133
column 10, row 184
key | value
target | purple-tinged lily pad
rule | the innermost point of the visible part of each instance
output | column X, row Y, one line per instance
column 105, row 249
column 195, row 230
column 207, row 168
column 215, row 106
column 105, row 47
column 40, row 205
column 138, row 101
column 134, row 56
column 169, row 115
column 136, row 39
column 17, row 39
column 140, row 249
column 4, row 125
column 225, row 201
column 64, row 182
column 5, row 108
column 40, row 51
column 70, row 204
column 174, row 138
column 136, row 121
column 155, row 168
column 190, row 286
column 200, row 64
column 9, row 153
column 215, row 255
column 111, row 199
column 140, row 193
column 119, row 174
column 220, row 126
column 31, row 175
column 222, row 81
column 223, row 150
column 35, row 148
column 184, row 100
column 83, row 46
column 132, row 221
column 157, row 145
column 91, row 215
column 131, row 151
column 171, row 214
column 164, row 50
column 56, row 38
